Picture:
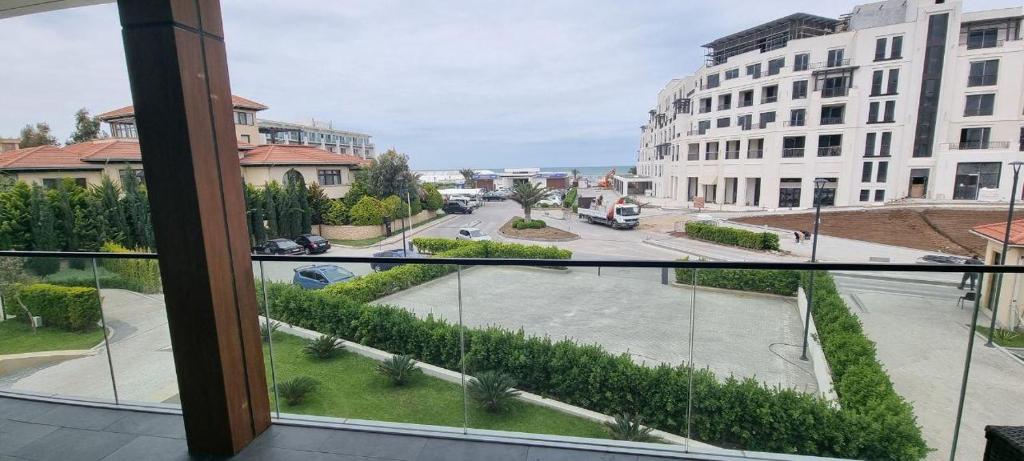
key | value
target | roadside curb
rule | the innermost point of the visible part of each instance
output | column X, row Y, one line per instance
column 895, row 279
column 393, row 239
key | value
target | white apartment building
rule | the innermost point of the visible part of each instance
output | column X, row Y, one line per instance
column 900, row 99
column 317, row 133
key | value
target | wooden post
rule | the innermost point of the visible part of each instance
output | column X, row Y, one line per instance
column 177, row 65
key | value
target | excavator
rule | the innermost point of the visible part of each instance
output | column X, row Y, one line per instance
column 606, row 181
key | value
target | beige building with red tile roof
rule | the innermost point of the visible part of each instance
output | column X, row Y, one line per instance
column 8, row 144
column 89, row 161
column 1009, row 315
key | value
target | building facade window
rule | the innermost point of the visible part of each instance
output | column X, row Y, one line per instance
column 892, row 86
column 793, row 146
column 746, row 98
column 732, row 73
column 865, row 172
column 789, row 192
column 53, row 183
column 880, row 46
column 896, row 51
column 769, row 94
column 880, row 195
column 754, row 70
column 876, row 82
column 244, row 118
column 711, row 151
column 703, row 126
column 889, row 114
column 835, row 58
column 725, row 102
column 732, row 150
column 931, row 83
column 329, row 177
column 865, row 195
column 722, row 122
column 744, row 121
column 873, row 112
column 705, row 105
column 800, row 89
column 693, row 152
column 975, row 138
column 832, row 115
column 755, row 148
column 798, row 117
column 713, row 81
column 885, row 146
column 123, row 130
column 775, row 66
column 801, row 62
column 830, row 145
column 979, row 104
column 983, row 73
column 983, row 38
column 971, row 177
column 765, row 118
column 883, row 172
column 869, row 145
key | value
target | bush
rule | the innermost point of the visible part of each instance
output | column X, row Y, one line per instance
column 873, row 423
column 294, row 391
column 42, row 266
column 141, row 275
column 520, row 223
column 399, row 369
column 367, row 212
column 67, row 308
column 322, row 347
column 732, row 236
column 570, row 199
column 628, row 426
column 779, row 282
column 267, row 330
column 336, row 213
column 492, row 389
column 488, row 249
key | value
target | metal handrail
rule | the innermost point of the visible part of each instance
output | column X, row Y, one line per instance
column 669, row 264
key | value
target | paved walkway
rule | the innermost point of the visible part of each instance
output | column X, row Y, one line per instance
column 629, row 311
column 140, row 350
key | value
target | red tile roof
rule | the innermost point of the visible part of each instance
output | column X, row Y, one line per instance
column 128, row 111
column 294, row 154
column 996, row 231
column 107, row 150
column 43, row 158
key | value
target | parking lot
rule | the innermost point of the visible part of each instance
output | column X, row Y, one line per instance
column 629, row 311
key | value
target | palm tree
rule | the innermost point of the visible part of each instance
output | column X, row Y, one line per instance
column 468, row 175
column 575, row 177
column 528, row 194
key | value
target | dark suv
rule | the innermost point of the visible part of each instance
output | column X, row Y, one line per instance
column 279, row 247
column 456, row 208
column 313, row 243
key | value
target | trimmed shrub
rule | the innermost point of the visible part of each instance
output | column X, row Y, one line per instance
column 67, row 308
column 294, row 391
column 732, row 236
column 399, row 369
column 779, row 282
column 42, row 266
column 520, row 223
column 141, row 275
column 492, row 390
column 368, row 211
column 488, row 249
column 628, row 426
column 322, row 347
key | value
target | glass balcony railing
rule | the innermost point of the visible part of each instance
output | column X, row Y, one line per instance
column 690, row 356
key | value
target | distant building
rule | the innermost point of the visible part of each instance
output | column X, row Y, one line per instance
column 320, row 134
column 120, row 155
column 7, row 144
column 900, row 99
column 1009, row 314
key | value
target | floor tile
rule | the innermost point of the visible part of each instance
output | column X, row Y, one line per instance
column 157, row 425
column 374, row 445
column 153, row 449
column 15, row 434
column 74, row 444
column 295, row 438
column 562, row 454
column 268, row 453
column 447, row 450
column 79, row 417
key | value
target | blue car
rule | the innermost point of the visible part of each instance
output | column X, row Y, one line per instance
column 317, row 276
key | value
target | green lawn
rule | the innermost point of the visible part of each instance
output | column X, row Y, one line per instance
column 17, row 337
column 351, row 388
column 1017, row 341
column 371, row 241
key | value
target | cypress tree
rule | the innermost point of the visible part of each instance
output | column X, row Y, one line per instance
column 270, row 201
column 44, row 237
column 91, row 227
column 65, row 200
column 15, row 219
column 109, row 196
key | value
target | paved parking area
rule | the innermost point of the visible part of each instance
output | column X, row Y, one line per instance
column 629, row 311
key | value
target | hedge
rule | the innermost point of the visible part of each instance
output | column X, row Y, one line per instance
column 85, row 278
column 67, row 308
column 779, row 282
column 379, row 284
column 141, row 275
column 861, row 383
column 731, row 413
column 732, row 236
column 520, row 223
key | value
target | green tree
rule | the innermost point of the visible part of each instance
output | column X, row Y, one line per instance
column 15, row 217
column 357, row 191
column 86, row 128
column 39, row 135
column 109, row 195
column 254, row 214
column 42, row 222
column 467, row 176
column 368, row 212
column 318, row 203
column 90, row 226
column 271, row 196
column 337, row 213
column 433, row 199
column 66, row 200
column 136, row 210
column 528, row 194
column 389, row 174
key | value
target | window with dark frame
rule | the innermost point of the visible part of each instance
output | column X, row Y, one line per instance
column 830, row 145
column 798, row 117
column 979, row 105
column 880, row 195
column 885, row 145
column 775, row 66
column 983, row 73
column 732, row 73
column 869, row 145
column 896, row 52
column 832, row 115
column 711, row 151
column 983, row 38
column 889, row 114
column 880, row 45
column 800, row 89
column 866, row 173
column 746, row 98
column 975, row 138
column 755, row 148
column 892, row 86
column 713, row 81
column 801, row 62
column 865, row 195
column 769, row 94
column 329, row 177
column 754, row 70
column 722, row 122
column 693, row 152
column 725, row 101
column 876, row 82
column 793, row 146
column 883, row 172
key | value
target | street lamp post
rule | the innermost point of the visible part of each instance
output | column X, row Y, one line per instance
column 819, row 185
column 1002, row 256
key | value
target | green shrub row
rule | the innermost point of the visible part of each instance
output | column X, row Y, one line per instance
column 520, row 223
column 860, row 381
column 779, row 282
column 141, row 275
column 379, row 284
column 67, row 308
column 732, row 236
column 729, row 413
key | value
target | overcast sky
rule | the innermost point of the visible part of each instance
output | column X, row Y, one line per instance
column 454, row 84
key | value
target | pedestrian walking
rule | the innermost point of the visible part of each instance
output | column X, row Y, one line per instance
column 797, row 235
column 971, row 277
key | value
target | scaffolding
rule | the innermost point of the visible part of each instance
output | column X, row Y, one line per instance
column 769, row 36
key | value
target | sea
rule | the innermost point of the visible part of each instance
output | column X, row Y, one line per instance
column 589, row 172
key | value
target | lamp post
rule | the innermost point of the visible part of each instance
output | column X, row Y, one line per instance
column 819, row 185
column 1006, row 246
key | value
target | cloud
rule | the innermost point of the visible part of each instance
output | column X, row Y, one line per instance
column 455, row 84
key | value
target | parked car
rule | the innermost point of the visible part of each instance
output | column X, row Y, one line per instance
column 468, row 200
column 494, row 196
column 317, row 276
column 456, row 207
column 313, row 243
column 279, row 247
column 395, row 253
column 472, row 233
column 550, row 201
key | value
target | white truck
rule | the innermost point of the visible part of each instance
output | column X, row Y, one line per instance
column 618, row 215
